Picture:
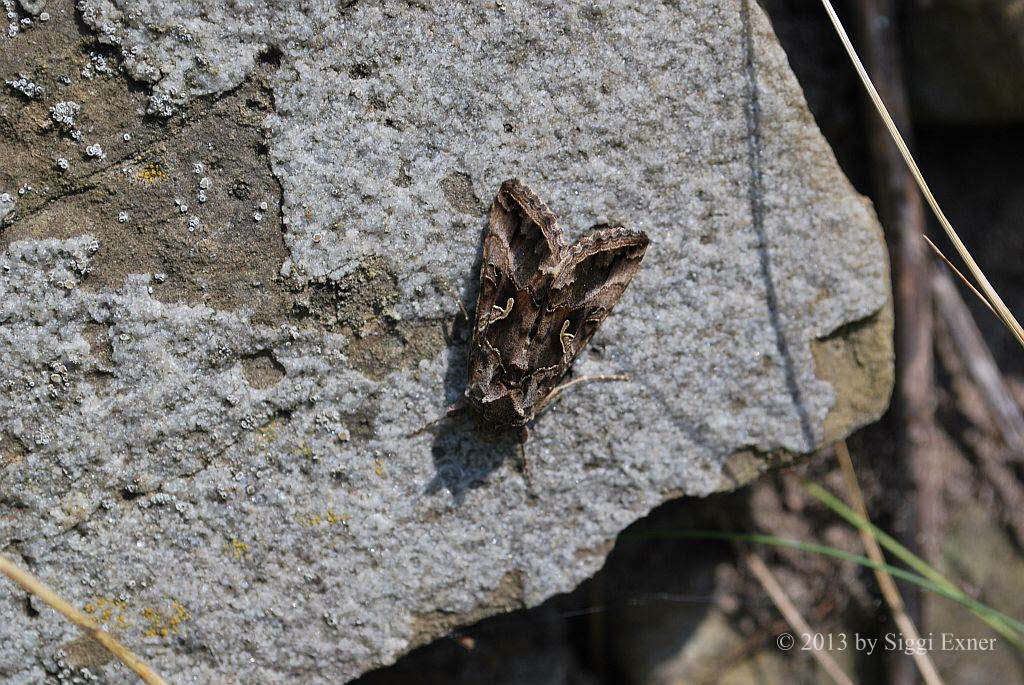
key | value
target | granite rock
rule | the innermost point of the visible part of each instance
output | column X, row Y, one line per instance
column 206, row 429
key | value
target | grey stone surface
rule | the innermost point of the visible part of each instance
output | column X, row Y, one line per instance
column 7, row 205
column 237, row 494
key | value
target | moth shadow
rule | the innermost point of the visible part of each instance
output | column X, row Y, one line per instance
column 464, row 458
column 464, row 452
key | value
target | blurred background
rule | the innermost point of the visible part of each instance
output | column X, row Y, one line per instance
column 942, row 471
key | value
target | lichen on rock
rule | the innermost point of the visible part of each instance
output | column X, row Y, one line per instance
column 239, row 384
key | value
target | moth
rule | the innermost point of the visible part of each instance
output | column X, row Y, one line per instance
column 540, row 302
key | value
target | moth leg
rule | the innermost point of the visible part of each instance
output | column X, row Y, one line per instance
column 451, row 411
column 524, row 464
column 455, row 296
column 554, row 394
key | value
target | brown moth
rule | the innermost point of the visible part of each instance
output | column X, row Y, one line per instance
column 540, row 302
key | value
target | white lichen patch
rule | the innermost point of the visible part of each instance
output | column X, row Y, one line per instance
column 97, row 66
column 24, row 85
column 7, row 205
column 64, row 114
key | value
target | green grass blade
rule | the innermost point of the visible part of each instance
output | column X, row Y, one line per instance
column 899, row 551
column 912, row 560
column 1003, row 624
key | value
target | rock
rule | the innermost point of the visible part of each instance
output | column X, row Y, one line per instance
column 7, row 205
column 985, row 556
column 207, row 431
column 33, row 7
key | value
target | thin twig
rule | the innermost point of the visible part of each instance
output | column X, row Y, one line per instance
column 903, row 213
column 792, row 615
column 38, row 588
column 980, row 363
column 990, row 293
column 990, row 460
column 885, row 581
column 958, row 273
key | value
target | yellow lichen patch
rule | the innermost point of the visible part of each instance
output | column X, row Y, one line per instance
column 163, row 624
column 239, row 548
column 378, row 468
column 329, row 518
column 106, row 610
column 152, row 172
column 268, row 431
column 333, row 518
column 312, row 520
column 303, row 450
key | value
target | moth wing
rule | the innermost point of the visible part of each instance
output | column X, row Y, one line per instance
column 522, row 246
column 586, row 285
column 522, row 238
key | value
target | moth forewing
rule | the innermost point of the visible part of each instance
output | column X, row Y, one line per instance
column 522, row 236
column 539, row 302
column 592, row 277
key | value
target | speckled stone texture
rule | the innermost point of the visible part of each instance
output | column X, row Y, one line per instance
column 236, row 491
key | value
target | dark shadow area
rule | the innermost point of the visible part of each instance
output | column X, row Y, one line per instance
column 576, row 637
column 464, row 455
column 976, row 172
column 464, row 452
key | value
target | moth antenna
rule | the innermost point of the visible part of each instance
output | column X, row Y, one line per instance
column 556, row 392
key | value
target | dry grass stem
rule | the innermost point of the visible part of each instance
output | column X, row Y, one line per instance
column 990, row 295
column 885, row 581
column 792, row 615
column 38, row 588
